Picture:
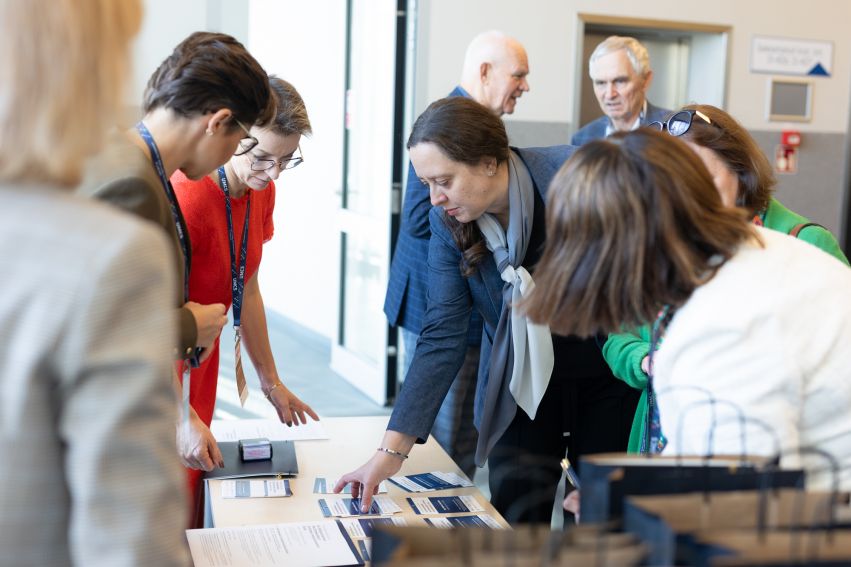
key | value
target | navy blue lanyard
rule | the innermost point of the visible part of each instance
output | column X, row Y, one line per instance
column 157, row 160
column 237, row 276
column 172, row 202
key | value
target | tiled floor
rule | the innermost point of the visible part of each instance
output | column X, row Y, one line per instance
column 302, row 357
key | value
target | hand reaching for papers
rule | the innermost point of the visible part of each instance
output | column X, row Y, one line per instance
column 366, row 480
column 197, row 447
column 289, row 407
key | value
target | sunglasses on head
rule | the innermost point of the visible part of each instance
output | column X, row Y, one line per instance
column 679, row 122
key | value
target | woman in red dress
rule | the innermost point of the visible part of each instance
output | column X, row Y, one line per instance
column 226, row 256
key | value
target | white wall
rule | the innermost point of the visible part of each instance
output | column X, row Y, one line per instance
column 302, row 42
column 548, row 30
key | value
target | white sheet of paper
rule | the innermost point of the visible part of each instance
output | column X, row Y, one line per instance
column 236, row 429
column 256, row 488
column 295, row 545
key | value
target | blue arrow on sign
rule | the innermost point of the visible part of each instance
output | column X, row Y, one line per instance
column 819, row 71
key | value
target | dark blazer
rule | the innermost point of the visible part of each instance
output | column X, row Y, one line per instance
column 123, row 176
column 596, row 129
column 451, row 299
column 405, row 302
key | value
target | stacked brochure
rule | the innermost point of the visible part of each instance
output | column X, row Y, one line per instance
column 445, row 505
column 426, row 482
column 347, row 507
column 322, row 485
column 256, row 488
column 360, row 530
column 477, row 521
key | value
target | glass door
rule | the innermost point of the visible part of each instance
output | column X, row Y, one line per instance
column 365, row 350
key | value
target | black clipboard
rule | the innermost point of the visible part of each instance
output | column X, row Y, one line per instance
column 283, row 462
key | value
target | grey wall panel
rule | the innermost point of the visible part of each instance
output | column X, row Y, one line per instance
column 816, row 191
column 531, row 134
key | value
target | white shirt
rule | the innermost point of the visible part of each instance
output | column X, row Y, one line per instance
column 770, row 333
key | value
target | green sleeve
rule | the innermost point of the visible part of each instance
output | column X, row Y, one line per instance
column 624, row 352
column 822, row 238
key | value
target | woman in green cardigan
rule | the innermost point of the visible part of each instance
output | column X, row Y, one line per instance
column 744, row 178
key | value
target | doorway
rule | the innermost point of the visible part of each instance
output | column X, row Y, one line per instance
column 689, row 61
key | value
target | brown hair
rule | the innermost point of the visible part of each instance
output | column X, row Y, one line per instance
column 467, row 132
column 207, row 72
column 739, row 152
column 634, row 223
column 290, row 113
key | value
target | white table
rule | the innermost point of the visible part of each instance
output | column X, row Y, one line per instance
column 352, row 442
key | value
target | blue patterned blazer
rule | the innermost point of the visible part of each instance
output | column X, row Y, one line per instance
column 405, row 301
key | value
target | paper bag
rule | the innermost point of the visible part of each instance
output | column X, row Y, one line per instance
column 608, row 478
column 667, row 523
column 526, row 546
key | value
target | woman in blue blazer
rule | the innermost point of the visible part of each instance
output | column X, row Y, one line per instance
column 537, row 395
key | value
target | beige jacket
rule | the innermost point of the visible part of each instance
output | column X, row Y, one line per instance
column 89, row 474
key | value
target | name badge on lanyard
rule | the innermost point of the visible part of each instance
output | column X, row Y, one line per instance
column 237, row 282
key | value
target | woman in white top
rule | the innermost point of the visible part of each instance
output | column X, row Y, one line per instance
column 753, row 320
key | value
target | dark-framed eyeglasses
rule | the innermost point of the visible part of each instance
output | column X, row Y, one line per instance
column 679, row 122
column 246, row 144
column 258, row 164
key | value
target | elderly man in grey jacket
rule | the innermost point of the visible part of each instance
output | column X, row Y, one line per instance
column 620, row 70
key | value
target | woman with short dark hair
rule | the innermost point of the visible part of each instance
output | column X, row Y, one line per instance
column 198, row 108
column 537, row 394
column 637, row 234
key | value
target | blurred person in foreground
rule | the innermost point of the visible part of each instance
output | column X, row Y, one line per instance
column 89, row 473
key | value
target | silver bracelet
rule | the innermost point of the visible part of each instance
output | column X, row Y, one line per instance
column 402, row 456
column 269, row 393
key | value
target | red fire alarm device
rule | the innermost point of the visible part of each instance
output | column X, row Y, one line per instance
column 790, row 138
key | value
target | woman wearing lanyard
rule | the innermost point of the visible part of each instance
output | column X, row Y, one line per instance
column 750, row 317
column 487, row 231
column 229, row 217
column 198, row 106
column 743, row 177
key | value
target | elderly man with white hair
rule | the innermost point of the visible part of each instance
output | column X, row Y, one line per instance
column 621, row 74
column 494, row 75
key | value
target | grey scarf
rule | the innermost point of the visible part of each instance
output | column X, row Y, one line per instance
column 521, row 360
